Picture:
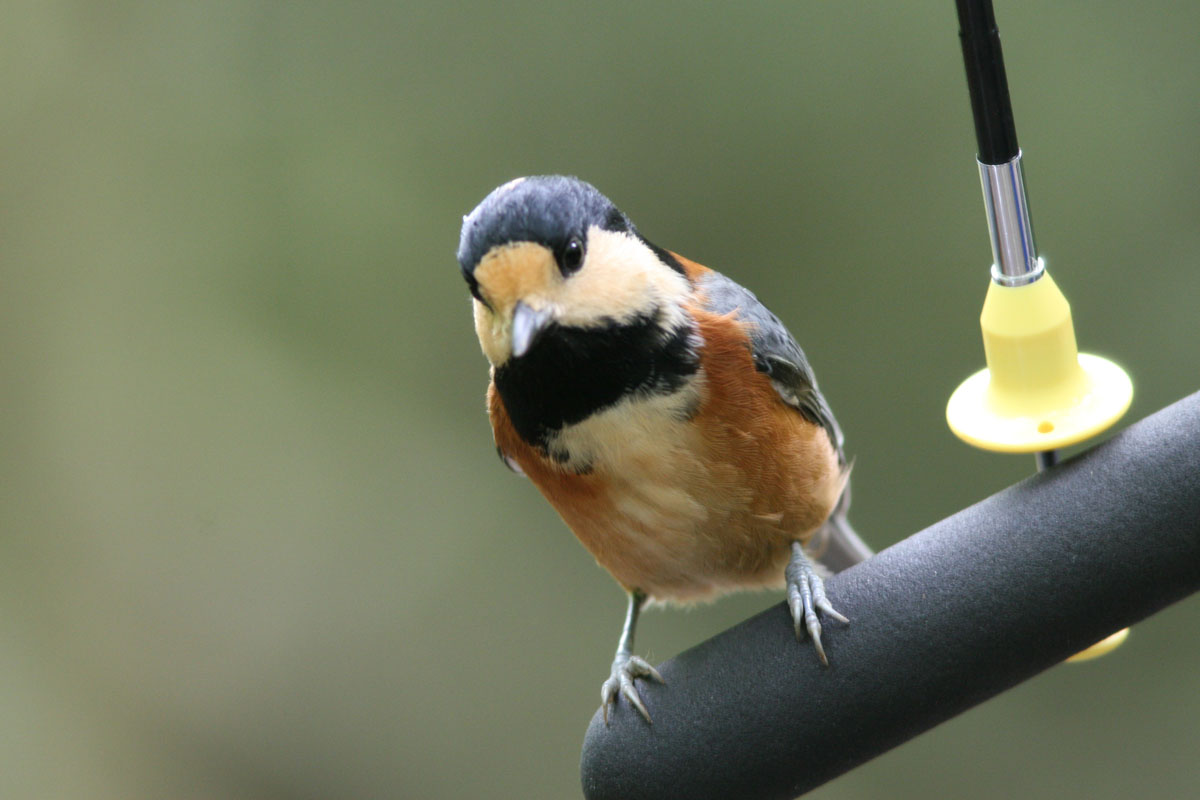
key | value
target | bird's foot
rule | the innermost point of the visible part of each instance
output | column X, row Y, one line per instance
column 625, row 669
column 806, row 596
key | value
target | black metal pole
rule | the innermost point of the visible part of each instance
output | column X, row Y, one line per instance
column 986, row 81
column 941, row 621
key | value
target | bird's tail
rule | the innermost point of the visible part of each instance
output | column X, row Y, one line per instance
column 838, row 547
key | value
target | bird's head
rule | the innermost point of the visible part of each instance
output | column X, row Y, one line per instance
column 549, row 252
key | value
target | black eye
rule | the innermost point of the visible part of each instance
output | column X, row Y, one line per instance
column 572, row 256
column 473, row 285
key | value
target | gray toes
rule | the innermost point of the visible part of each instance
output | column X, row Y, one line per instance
column 806, row 596
column 625, row 670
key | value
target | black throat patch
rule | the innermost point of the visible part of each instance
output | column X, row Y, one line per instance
column 571, row 373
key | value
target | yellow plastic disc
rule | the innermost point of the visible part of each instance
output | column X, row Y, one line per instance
column 1101, row 648
column 1102, row 395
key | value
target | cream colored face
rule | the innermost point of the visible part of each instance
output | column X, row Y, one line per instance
column 620, row 278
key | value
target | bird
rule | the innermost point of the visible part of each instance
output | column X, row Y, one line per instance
column 669, row 418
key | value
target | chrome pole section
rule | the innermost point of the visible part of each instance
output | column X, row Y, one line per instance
column 1015, row 260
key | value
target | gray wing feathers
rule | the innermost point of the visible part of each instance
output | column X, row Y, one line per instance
column 776, row 353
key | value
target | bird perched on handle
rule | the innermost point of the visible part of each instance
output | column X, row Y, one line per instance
column 665, row 413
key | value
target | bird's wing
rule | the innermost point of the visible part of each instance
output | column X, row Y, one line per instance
column 775, row 351
column 778, row 355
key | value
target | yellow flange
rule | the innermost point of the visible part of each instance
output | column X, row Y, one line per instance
column 1101, row 648
column 1038, row 391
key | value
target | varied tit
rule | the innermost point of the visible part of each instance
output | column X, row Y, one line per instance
column 669, row 418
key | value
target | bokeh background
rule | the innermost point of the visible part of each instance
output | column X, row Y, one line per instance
column 254, row 539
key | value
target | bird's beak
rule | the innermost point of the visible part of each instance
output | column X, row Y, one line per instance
column 526, row 325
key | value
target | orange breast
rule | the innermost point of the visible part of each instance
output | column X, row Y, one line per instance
column 686, row 510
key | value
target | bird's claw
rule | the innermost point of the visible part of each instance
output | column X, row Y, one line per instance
column 625, row 669
column 806, row 596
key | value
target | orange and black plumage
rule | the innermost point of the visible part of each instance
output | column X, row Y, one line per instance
column 670, row 418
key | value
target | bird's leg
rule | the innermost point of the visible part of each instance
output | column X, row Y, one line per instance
column 626, row 666
column 806, row 596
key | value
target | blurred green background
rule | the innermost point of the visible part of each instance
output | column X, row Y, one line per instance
column 254, row 539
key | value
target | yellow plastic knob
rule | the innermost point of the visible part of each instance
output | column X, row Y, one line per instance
column 1038, row 392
